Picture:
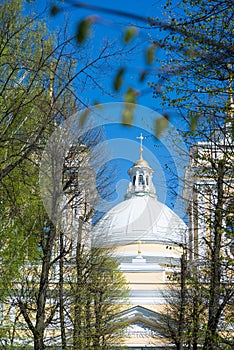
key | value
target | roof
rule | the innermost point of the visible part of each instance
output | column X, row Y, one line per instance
column 143, row 218
column 142, row 163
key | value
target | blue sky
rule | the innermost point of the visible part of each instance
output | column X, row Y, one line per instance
column 158, row 153
column 112, row 27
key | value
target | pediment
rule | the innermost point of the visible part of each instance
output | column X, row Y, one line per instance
column 138, row 329
column 140, row 316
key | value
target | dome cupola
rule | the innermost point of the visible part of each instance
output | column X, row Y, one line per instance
column 140, row 177
column 140, row 216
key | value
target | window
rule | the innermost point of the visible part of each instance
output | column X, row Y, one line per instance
column 231, row 247
column 141, row 180
column 229, row 227
column 230, row 233
column 134, row 180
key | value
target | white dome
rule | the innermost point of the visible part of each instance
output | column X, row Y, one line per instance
column 142, row 217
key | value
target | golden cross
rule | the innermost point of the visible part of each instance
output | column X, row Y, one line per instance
column 141, row 138
column 139, row 247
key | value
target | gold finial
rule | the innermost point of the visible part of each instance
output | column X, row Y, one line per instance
column 139, row 247
column 230, row 93
column 141, row 138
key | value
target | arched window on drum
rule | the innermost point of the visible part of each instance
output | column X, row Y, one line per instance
column 141, row 180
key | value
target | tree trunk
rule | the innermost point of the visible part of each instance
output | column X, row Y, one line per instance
column 88, row 319
column 39, row 342
column 42, row 293
column 210, row 342
column 183, row 301
column 78, row 297
column 61, row 295
column 195, row 325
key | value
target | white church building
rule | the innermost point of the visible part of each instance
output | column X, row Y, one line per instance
column 145, row 235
